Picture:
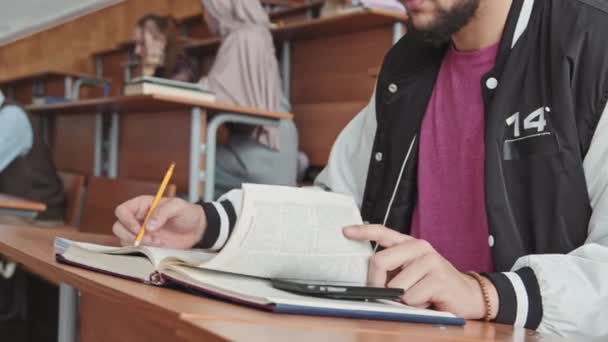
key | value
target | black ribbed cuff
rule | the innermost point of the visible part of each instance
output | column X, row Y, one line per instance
column 221, row 219
column 519, row 297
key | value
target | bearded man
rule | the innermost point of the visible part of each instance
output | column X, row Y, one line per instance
column 481, row 163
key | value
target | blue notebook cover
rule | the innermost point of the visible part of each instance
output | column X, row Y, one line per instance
column 384, row 316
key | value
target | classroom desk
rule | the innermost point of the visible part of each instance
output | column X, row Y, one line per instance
column 60, row 84
column 145, row 133
column 121, row 310
column 356, row 20
column 305, row 329
column 56, row 83
column 14, row 206
column 194, row 26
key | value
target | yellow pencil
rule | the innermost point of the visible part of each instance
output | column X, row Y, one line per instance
column 157, row 198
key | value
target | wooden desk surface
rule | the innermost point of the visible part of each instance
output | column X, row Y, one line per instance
column 312, row 5
column 333, row 330
column 276, row 15
column 45, row 74
column 145, row 104
column 357, row 20
column 196, row 317
column 15, row 203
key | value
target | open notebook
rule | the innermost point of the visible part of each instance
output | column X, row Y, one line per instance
column 282, row 233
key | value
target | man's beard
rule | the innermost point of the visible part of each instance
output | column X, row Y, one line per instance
column 446, row 23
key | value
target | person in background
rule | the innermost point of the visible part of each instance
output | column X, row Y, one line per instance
column 246, row 73
column 26, row 168
column 160, row 52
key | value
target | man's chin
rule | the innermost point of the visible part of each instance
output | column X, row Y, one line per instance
column 425, row 31
column 421, row 22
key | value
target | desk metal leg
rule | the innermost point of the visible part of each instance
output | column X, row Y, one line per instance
column 195, row 155
column 99, row 67
column 67, row 92
column 211, row 142
column 68, row 314
column 38, row 89
column 113, row 146
column 286, row 68
column 398, row 31
column 97, row 159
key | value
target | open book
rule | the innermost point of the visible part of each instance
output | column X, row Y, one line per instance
column 281, row 233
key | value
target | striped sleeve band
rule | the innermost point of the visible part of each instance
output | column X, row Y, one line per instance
column 519, row 297
column 221, row 218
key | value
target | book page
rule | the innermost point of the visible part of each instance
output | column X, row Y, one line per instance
column 154, row 254
column 296, row 234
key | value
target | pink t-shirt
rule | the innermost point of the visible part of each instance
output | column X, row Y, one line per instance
column 451, row 209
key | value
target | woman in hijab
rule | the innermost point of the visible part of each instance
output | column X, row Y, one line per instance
column 159, row 50
column 246, row 73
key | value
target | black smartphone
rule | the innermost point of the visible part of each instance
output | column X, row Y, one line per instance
column 338, row 291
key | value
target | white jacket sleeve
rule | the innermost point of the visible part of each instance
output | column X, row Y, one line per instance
column 568, row 294
column 346, row 171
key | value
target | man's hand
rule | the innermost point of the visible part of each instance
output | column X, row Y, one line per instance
column 175, row 223
column 427, row 278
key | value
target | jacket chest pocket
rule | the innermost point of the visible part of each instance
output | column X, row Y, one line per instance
column 536, row 145
column 529, row 136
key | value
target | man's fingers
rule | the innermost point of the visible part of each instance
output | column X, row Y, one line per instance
column 413, row 273
column 421, row 294
column 385, row 237
column 126, row 236
column 129, row 214
column 165, row 211
column 390, row 259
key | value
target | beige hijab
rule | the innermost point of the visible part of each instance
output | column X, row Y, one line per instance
column 245, row 71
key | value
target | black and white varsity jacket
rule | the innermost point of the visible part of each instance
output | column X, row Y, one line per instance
column 546, row 168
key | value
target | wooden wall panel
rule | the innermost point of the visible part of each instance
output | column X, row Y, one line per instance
column 319, row 125
column 73, row 143
column 335, row 68
column 70, row 45
column 331, row 83
column 149, row 142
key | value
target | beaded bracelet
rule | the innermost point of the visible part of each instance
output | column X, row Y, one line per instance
column 486, row 295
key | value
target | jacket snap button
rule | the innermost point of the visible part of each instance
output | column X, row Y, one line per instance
column 491, row 240
column 379, row 156
column 492, row 83
column 393, row 88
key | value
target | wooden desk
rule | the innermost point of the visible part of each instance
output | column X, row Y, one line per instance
column 60, row 84
column 194, row 26
column 148, row 313
column 56, row 83
column 145, row 133
column 299, row 329
column 324, row 68
column 14, row 206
